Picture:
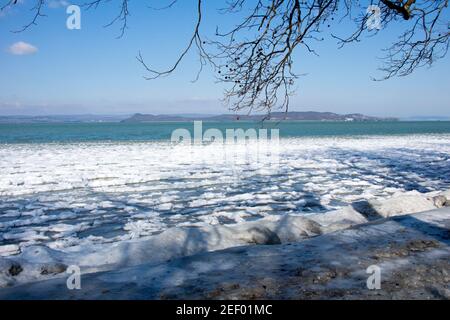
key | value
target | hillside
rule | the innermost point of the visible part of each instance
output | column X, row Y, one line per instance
column 276, row 116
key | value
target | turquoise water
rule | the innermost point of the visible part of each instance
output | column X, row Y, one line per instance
column 79, row 132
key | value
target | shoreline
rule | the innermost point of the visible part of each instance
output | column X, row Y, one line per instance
column 404, row 235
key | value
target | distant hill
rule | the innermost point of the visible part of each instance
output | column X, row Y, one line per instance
column 138, row 118
column 275, row 116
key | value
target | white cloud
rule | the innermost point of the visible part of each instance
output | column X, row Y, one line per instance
column 56, row 4
column 22, row 48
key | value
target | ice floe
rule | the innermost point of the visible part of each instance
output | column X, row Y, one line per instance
column 38, row 262
column 80, row 196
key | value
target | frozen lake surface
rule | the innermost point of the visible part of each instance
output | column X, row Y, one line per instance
column 66, row 194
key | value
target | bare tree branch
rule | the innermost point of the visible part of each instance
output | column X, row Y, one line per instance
column 254, row 59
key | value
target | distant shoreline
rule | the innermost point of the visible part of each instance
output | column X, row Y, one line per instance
column 145, row 118
column 6, row 120
column 275, row 116
column 29, row 121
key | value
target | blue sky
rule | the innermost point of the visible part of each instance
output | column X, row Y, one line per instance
column 91, row 71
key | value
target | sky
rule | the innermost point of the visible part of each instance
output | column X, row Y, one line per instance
column 49, row 69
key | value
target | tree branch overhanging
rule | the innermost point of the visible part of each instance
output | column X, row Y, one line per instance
column 254, row 59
